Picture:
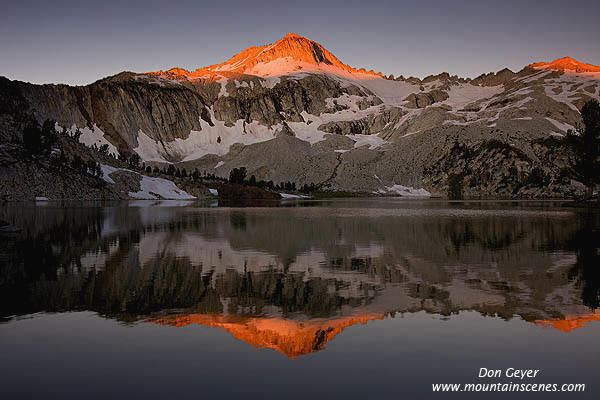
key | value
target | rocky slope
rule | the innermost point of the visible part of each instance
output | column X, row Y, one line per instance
column 291, row 111
column 57, row 166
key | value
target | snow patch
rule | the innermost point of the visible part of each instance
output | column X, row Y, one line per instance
column 373, row 141
column 404, row 191
column 150, row 188
column 566, row 82
column 561, row 125
column 390, row 92
column 293, row 196
column 223, row 81
column 215, row 139
column 465, row 93
column 149, row 149
column 90, row 137
column 534, row 77
column 107, row 170
column 269, row 83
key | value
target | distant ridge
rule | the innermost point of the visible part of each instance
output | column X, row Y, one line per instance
column 294, row 53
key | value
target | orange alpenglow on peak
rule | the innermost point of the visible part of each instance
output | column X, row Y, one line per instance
column 289, row 337
column 292, row 53
column 294, row 35
column 570, row 322
column 566, row 64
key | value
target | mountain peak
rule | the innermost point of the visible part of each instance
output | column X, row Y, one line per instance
column 292, row 53
column 566, row 64
column 292, row 35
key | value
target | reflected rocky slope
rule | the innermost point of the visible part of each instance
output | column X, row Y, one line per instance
column 293, row 278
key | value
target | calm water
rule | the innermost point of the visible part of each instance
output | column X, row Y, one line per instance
column 334, row 299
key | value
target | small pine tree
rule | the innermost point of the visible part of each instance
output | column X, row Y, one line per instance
column 77, row 163
column 48, row 135
column 237, row 175
column 134, row 161
column 455, row 187
column 32, row 139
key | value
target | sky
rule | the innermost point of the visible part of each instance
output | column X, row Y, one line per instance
column 79, row 42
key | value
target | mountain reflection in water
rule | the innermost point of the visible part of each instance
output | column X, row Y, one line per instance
column 292, row 278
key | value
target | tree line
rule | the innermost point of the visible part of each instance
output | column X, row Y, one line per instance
column 239, row 176
column 41, row 141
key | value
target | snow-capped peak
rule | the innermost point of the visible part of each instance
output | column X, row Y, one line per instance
column 566, row 64
column 292, row 53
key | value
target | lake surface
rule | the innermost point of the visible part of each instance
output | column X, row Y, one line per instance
column 365, row 298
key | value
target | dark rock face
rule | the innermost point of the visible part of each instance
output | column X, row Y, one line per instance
column 284, row 102
column 493, row 79
column 373, row 124
column 498, row 169
column 285, row 130
column 422, row 100
column 120, row 109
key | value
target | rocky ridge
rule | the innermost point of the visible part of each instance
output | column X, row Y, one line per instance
column 291, row 111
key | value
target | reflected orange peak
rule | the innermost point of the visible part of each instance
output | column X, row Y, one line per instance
column 570, row 322
column 289, row 337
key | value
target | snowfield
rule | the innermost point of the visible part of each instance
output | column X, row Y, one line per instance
column 219, row 138
column 90, row 137
column 150, row 188
column 166, row 189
